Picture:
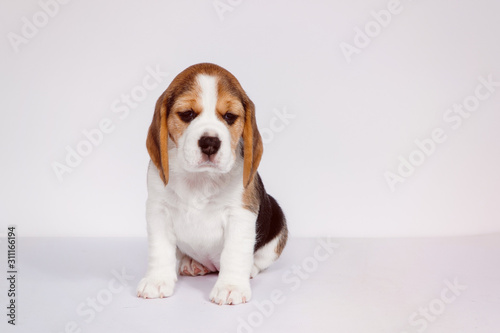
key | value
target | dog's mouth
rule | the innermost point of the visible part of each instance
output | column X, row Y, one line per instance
column 208, row 160
column 201, row 162
column 212, row 164
column 208, row 164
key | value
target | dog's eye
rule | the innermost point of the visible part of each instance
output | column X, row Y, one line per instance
column 187, row 116
column 230, row 118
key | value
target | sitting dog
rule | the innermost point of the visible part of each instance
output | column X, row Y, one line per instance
column 207, row 209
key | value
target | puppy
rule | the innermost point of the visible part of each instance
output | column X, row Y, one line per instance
column 207, row 209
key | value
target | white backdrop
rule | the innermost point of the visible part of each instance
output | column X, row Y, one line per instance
column 343, row 90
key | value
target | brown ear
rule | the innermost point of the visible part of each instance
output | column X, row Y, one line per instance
column 157, row 141
column 252, row 144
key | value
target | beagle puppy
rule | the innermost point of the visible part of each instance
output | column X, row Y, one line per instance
column 207, row 209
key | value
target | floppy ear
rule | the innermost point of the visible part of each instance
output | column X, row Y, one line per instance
column 157, row 141
column 252, row 143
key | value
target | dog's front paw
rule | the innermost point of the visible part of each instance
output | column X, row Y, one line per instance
column 230, row 293
column 155, row 287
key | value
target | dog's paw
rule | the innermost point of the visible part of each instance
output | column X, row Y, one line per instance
column 191, row 267
column 154, row 287
column 230, row 293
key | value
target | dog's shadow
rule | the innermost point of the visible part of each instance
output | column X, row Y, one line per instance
column 198, row 286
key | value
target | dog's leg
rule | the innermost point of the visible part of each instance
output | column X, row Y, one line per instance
column 189, row 266
column 268, row 254
column 233, row 284
column 161, row 274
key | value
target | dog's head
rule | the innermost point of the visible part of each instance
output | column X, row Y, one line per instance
column 207, row 116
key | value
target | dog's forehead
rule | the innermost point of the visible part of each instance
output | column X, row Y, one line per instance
column 214, row 88
column 207, row 91
column 204, row 81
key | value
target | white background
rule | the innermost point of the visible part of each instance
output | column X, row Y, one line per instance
column 326, row 167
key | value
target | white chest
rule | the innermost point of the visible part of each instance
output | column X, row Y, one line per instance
column 199, row 216
column 199, row 234
column 199, row 207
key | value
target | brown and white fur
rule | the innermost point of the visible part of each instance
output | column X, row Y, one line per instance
column 207, row 209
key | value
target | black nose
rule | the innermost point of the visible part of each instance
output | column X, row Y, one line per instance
column 209, row 144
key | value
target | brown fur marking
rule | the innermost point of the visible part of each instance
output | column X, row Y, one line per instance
column 251, row 197
column 282, row 242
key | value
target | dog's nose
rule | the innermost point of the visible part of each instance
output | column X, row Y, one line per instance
column 209, row 144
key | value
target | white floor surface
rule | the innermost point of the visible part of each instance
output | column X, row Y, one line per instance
column 336, row 285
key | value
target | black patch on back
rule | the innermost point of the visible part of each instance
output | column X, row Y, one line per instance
column 270, row 220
